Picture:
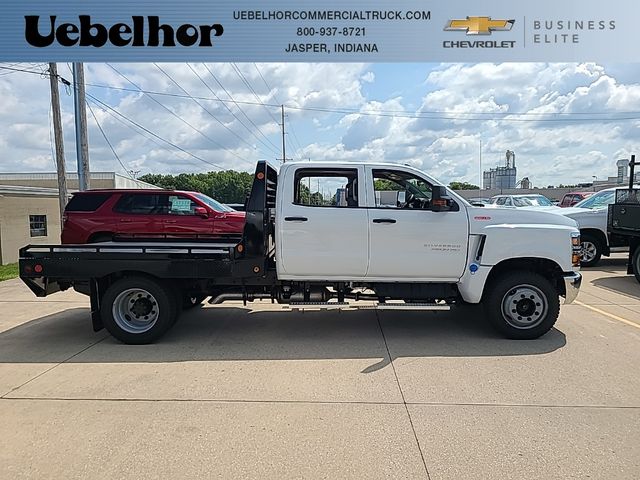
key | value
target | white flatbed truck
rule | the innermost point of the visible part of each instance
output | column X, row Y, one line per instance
column 431, row 250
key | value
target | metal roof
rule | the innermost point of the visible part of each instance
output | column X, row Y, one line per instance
column 31, row 191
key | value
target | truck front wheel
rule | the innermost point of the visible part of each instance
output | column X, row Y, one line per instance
column 522, row 305
column 138, row 310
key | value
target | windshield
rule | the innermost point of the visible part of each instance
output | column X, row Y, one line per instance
column 217, row 206
column 522, row 202
column 539, row 200
column 599, row 200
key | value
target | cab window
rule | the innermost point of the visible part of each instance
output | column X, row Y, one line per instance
column 397, row 189
column 316, row 187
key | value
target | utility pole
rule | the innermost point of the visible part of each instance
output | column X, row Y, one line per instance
column 284, row 156
column 82, row 144
column 57, row 133
column 480, row 185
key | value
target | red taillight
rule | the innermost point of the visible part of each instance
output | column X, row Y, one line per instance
column 37, row 268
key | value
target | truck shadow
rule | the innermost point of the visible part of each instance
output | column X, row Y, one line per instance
column 614, row 264
column 627, row 285
column 236, row 333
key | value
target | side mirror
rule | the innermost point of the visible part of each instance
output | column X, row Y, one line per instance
column 440, row 200
column 201, row 212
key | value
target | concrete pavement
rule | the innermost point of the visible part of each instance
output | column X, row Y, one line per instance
column 234, row 392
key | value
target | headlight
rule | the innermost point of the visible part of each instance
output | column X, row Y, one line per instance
column 576, row 249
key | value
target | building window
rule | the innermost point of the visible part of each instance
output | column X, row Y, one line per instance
column 38, row 225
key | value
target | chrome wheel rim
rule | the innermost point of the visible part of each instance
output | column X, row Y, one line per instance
column 524, row 307
column 589, row 251
column 135, row 310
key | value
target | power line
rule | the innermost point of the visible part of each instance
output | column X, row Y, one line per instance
column 133, row 129
column 107, row 140
column 12, row 69
column 295, row 137
column 246, row 82
column 237, row 104
column 266, row 83
column 152, row 133
column 455, row 116
column 264, row 80
column 417, row 114
column 229, row 109
column 179, row 117
column 428, row 115
column 202, row 106
column 433, row 115
column 290, row 140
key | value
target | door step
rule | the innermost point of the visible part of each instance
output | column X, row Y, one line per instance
column 306, row 306
column 301, row 306
column 413, row 306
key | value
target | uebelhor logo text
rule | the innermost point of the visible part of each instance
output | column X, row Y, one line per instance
column 120, row 34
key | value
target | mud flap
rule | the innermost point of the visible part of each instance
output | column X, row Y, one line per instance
column 95, row 305
column 41, row 287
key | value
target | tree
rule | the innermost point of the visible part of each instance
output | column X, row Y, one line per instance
column 382, row 185
column 463, row 186
column 226, row 186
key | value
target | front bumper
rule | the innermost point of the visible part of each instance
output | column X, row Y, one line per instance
column 572, row 282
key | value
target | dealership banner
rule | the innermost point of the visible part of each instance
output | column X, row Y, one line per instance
column 319, row 31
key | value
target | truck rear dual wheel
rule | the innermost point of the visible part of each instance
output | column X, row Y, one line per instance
column 522, row 305
column 138, row 310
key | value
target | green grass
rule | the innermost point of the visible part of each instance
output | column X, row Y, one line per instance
column 8, row 271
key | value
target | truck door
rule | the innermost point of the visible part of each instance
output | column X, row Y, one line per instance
column 323, row 226
column 408, row 241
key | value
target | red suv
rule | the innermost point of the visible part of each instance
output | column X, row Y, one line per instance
column 104, row 215
column 570, row 199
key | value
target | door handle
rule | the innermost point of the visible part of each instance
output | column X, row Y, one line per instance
column 384, row 220
column 295, row 219
column 170, row 221
column 125, row 220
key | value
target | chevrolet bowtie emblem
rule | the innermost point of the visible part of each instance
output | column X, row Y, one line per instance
column 479, row 25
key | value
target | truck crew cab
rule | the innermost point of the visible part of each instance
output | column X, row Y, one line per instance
column 329, row 235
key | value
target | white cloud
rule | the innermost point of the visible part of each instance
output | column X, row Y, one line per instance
column 504, row 106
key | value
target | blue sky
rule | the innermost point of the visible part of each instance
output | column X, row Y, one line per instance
column 556, row 117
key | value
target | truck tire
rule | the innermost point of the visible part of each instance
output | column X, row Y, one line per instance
column 635, row 263
column 522, row 305
column 138, row 310
column 591, row 250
